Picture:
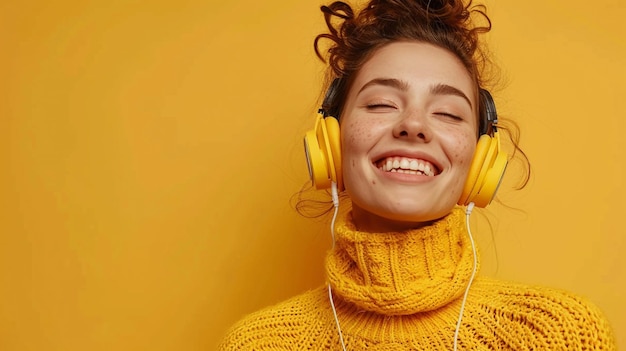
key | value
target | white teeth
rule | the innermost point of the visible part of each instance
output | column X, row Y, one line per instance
column 407, row 165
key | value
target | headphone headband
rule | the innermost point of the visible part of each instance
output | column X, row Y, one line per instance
column 330, row 106
column 489, row 116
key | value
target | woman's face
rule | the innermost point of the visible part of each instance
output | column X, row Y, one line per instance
column 408, row 133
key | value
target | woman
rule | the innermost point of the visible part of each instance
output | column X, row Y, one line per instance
column 417, row 136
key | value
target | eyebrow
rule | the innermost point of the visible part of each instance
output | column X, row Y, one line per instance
column 388, row 82
column 444, row 89
column 436, row 89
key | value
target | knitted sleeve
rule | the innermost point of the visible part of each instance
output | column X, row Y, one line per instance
column 301, row 322
column 548, row 319
column 267, row 329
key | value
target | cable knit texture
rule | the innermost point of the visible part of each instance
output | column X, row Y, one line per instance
column 402, row 291
column 401, row 273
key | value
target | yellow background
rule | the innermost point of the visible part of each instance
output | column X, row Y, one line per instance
column 149, row 150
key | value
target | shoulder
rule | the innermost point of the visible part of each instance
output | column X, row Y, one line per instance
column 275, row 327
column 559, row 318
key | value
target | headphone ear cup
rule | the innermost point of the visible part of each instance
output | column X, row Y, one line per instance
column 334, row 142
column 486, row 172
column 323, row 152
column 318, row 172
column 492, row 181
column 478, row 161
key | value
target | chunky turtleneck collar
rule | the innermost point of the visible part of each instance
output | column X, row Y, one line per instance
column 401, row 273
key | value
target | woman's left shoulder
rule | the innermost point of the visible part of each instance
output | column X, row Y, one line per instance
column 569, row 318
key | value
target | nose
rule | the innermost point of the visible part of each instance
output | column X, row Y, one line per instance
column 413, row 125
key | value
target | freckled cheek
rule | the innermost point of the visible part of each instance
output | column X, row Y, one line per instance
column 465, row 155
column 355, row 137
column 356, row 141
column 464, row 151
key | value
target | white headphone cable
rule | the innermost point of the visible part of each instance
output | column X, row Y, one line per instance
column 468, row 212
column 335, row 196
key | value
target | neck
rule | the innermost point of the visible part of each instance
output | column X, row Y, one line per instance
column 403, row 272
column 365, row 221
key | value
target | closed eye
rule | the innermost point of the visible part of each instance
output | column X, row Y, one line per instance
column 449, row 115
column 379, row 106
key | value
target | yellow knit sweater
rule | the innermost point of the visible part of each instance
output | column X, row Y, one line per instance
column 402, row 291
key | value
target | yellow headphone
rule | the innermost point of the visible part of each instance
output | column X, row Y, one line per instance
column 489, row 162
column 322, row 146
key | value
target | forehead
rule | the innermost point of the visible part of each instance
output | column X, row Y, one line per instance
column 417, row 63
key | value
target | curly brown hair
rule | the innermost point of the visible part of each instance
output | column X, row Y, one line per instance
column 354, row 38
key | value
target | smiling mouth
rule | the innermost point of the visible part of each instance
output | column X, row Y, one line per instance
column 407, row 165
